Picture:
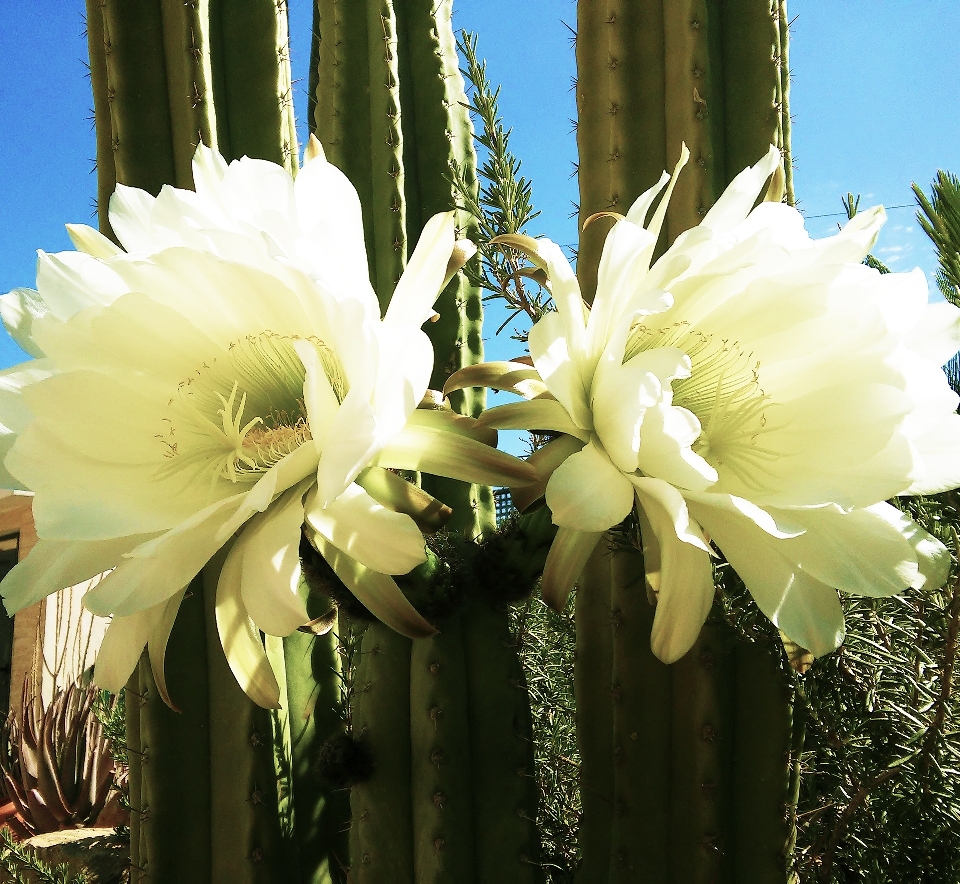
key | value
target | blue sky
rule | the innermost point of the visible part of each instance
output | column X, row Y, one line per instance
column 873, row 100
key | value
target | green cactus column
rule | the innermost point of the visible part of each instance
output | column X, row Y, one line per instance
column 388, row 105
column 685, row 768
column 167, row 75
column 654, row 73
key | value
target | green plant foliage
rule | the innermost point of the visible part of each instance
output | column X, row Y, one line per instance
column 546, row 642
column 878, row 799
column 502, row 205
column 939, row 216
column 23, row 866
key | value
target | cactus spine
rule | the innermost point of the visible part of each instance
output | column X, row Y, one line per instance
column 685, row 768
column 167, row 75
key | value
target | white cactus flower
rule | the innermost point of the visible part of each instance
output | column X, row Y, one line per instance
column 229, row 376
column 753, row 389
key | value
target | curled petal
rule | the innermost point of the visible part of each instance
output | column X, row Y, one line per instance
column 239, row 635
column 588, row 493
column 378, row 592
column 567, row 557
column 389, row 490
column 538, row 414
column 451, row 422
column 122, row 645
column 157, row 645
column 270, row 574
column 805, row 609
column 454, row 457
column 683, row 580
column 513, row 377
column 544, row 460
column 378, row 538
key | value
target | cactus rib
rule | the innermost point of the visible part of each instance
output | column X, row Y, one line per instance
column 641, row 732
column 381, row 834
column 594, row 694
column 440, row 742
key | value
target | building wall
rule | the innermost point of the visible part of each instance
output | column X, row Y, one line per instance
column 56, row 639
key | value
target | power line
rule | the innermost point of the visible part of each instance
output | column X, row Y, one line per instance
column 844, row 214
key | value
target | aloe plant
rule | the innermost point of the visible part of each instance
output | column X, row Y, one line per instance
column 56, row 763
column 685, row 769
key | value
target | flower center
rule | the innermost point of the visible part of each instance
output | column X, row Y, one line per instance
column 724, row 392
column 240, row 413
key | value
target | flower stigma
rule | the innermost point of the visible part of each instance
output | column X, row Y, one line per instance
column 240, row 413
column 724, row 392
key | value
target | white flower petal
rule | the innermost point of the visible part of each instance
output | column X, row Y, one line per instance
column 623, row 391
column 355, row 431
column 684, row 576
column 551, row 352
column 157, row 645
column 122, row 646
column 56, row 564
column 329, row 213
column 453, row 456
column 376, row 537
column 92, row 242
column 937, row 464
column 544, row 460
column 156, row 569
column 130, row 210
column 419, row 286
column 318, row 396
column 565, row 561
column 537, row 414
column 738, row 198
column 270, row 573
column 588, row 493
column 666, row 437
column 406, row 362
column 937, row 334
column 627, row 251
column 18, row 309
column 240, row 638
column 69, row 282
column 805, row 609
column 378, row 592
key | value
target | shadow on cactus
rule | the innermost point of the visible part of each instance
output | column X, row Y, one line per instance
column 56, row 764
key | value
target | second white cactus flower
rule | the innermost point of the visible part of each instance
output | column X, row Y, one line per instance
column 229, row 376
column 754, row 389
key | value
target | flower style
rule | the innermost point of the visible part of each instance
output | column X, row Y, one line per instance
column 229, row 374
column 754, row 388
